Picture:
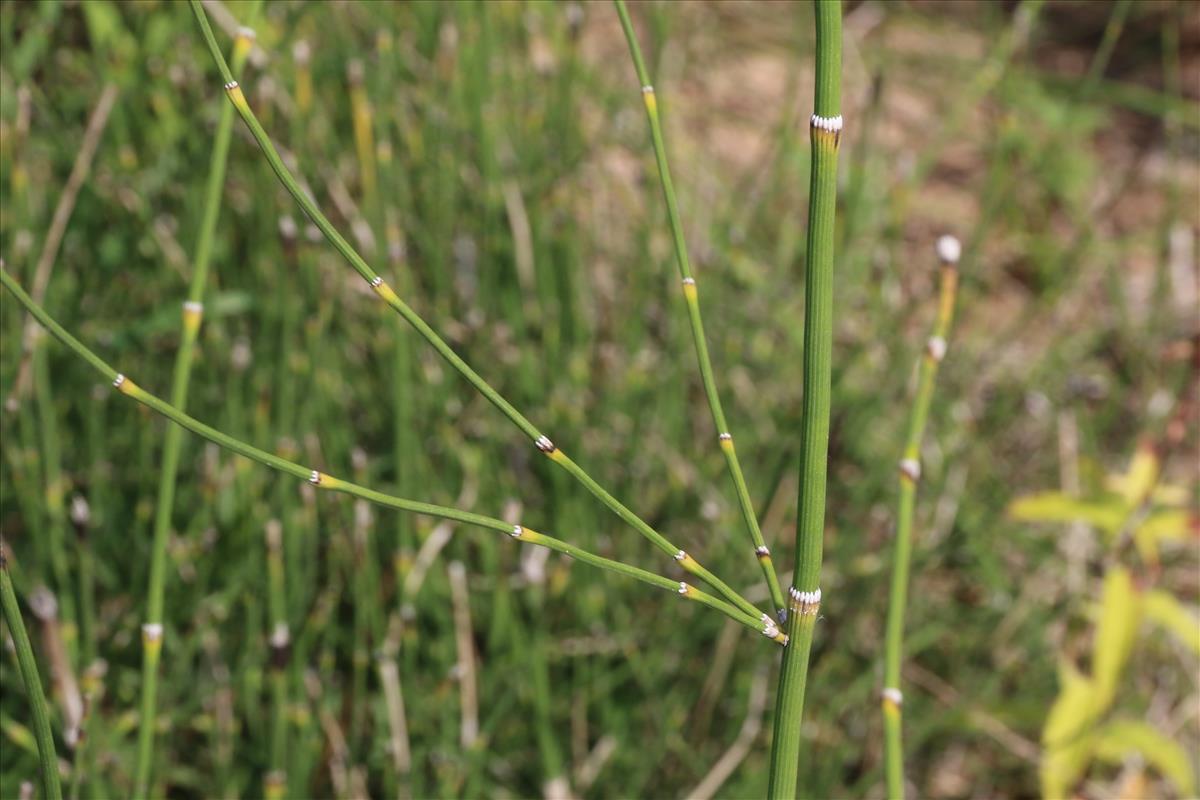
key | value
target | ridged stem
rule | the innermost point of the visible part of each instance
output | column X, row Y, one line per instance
column 193, row 310
column 825, row 133
column 27, row 665
column 127, row 387
column 910, row 473
column 690, row 295
column 389, row 296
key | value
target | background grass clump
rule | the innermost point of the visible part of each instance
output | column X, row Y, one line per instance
column 492, row 161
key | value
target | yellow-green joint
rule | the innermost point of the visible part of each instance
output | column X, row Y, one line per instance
column 125, row 385
column 274, row 784
column 193, row 311
column 152, row 636
column 384, row 291
column 892, row 699
column 242, row 43
column 648, row 99
column 235, row 94
column 687, row 562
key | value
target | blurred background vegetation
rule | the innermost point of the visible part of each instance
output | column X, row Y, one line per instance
column 503, row 182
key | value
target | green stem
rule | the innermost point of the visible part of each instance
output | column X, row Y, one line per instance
column 193, row 310
column 127, row 387
column 693, row 305
column 389, row 296
column 27, row 666
column 805, row 600
column 910, row 473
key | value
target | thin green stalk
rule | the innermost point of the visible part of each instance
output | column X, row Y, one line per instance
column 910, row 473
column 27, row 666
column 193, row 310
column 805, row 601
column 323, row 481
column 276, row 780
column 693, row 305
column 389, row 296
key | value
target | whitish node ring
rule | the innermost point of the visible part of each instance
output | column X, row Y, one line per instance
column 689, row 281
column 315, row 478
column 377, row 281
column 683, row 587
column 726, row 437
column 229, row 87
column 193, row 307
column 117, row 381
column 152, row 631
column 761, row 551
column 516, row 532
column 680, row 556
column 647, row 89
column 770, row 630
column 936, row 347
column 805, row 598
column 893, row 696
column 910, row 468
column 831, row 124
column 544, row 444
column 280, row 635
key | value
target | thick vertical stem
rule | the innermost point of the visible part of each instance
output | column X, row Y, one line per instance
column 27, row 666
column 805, row 599
column 193, row 310
column 910, row 473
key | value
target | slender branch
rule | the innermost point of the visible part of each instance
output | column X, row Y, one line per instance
column 27, row 666
column 690, row 295
column 805, row 595
column 323, row 481
column 192, row 312
column 948, row 250
column 389, row 296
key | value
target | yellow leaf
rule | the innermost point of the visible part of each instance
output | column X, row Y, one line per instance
column 1120, row 610
column 1136, row 484
column 1164, row 610
column 1073, row 709
column 1107, row 515
column 1119, row 738
column 1063, row 766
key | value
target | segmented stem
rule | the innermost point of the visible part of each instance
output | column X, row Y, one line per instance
column 192, row 311
column 389, row 296
column 825, row 133
column 324, row 481
column 27, row 666
column 691, row 297
column 910, row 473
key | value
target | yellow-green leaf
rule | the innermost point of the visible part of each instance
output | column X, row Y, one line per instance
column 1136, row 484
column 1164, row 610
column 1119, row 738
column 1063, row 766
column 1108, row 515
column 1120, row 611
column 1072, row 710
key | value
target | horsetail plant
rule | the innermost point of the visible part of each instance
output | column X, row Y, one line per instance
column 321, row 480
column 27, row 666
column 691, row 297
column 385, row 292
column 948, row 252
column 193, row 311
column 825, row 128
